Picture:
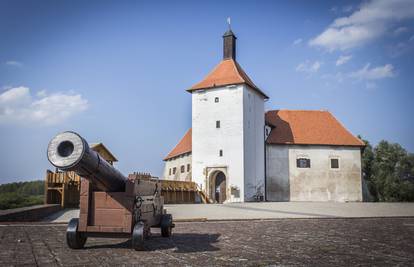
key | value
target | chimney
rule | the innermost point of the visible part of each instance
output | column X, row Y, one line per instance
column 229, row 45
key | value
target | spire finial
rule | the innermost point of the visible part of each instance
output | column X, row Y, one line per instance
column 229, row 22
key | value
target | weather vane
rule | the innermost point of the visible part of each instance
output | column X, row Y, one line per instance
column 229, row 22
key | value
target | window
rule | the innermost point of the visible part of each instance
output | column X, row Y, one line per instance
column 174, row 170
column 221, row 153
column 182, row 168
column 188, row 167
column 216, row 100
column 334, row 163
column 217, row 124
column 303, row 163
column 169, row 173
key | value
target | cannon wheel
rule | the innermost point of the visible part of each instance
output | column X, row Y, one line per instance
column 166, row 225
column 75, row 239
column 139, row 234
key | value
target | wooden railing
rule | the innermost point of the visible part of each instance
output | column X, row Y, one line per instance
column 180, row 192
column 62, row 178
column 62, row 188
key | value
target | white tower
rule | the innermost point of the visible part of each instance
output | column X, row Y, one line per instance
column 228, row 131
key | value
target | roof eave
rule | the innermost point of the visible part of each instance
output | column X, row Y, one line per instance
column 193, row 89
column 175, row 156
column 307, row 144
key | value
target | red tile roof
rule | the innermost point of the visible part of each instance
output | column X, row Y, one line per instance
column 308, row 127
column 227, row 72
column 184, row 146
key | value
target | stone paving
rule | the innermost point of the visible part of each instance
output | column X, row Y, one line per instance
column 273, row 210
column 283, row 242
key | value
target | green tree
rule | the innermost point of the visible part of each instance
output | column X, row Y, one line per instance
column 367, row 172
column 391, row 171
column 21, row 194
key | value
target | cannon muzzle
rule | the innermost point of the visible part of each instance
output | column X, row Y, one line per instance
column 68, row 151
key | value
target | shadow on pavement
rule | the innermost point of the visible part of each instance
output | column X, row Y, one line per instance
column 182, row 243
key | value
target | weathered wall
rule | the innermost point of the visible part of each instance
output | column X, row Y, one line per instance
column 208, row 140
column 320, row 182
column 177, row 162
column 253, row 118
column 277, row 173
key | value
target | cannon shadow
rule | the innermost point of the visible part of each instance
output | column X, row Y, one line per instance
column 182, row 243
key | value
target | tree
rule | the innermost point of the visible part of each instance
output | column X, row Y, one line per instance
column 391, row 170
column 367, row 161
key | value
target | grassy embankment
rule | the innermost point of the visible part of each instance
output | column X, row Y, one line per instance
column 21, row 194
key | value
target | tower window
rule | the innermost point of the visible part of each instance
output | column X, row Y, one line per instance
column 216, row 99
column 303, row 163
column 217, row 124
column 174, row 170
column 188, row 167
column 182, row 168
column 169, row 172
column 221, row 152
column 334, row 163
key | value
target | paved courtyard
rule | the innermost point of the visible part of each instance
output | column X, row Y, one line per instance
column 317, row 242
column 273, row 210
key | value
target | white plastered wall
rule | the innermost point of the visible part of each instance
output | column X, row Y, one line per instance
column 253, row 116
column 320, row 182
column 207, row 140
column 177, row 162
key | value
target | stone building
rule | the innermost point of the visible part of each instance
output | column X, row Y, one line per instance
column 310, row 156
column 178, row 161
column 235, row 152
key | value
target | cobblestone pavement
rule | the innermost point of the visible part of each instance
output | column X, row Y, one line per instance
column 318, row 242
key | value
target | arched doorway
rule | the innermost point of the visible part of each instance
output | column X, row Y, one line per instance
column 220, row 187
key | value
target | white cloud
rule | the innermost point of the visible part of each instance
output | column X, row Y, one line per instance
column 347, row 9
column 400, row 30
column 14, row 63
column 18, row 106
column 377, row 73
column 297, row 41
column 342, row 60
column 309, row 67
column 369, row 22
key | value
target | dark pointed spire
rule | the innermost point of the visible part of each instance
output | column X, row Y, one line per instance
column 229, row 44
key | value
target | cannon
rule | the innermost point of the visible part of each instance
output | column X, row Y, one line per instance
column 111, row 205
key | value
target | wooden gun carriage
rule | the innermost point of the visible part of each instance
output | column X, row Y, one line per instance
column 111, row 205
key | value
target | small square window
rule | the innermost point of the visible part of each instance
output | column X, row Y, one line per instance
column 221, row 153
column 188, row 167
column 303, row 163
column 174, row 170
column 217, row 124
column 216, row 99
column 334, row 163
column 182, row 168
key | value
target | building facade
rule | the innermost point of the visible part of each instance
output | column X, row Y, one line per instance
column 235, row 152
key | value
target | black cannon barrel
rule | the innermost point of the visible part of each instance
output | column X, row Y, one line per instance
column 68, row 151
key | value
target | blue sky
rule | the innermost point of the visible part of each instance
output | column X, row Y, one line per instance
column 117, row 71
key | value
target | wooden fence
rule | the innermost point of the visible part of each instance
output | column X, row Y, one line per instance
column 63, row 188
